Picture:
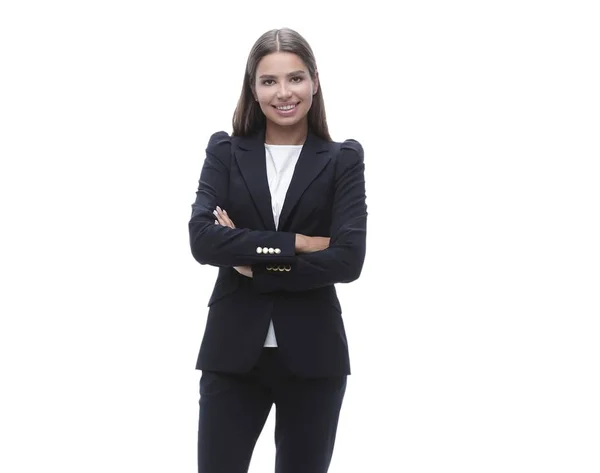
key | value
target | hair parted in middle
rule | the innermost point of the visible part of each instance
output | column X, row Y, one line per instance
column 248, row 118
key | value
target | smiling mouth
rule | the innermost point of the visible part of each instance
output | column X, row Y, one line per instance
column 285, row 108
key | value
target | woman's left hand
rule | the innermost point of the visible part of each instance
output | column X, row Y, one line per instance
column 224, row 220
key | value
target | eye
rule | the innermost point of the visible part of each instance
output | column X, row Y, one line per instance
column 297, row 79
column 267, row 81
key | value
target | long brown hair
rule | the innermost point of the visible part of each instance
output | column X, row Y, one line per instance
column 248, row 118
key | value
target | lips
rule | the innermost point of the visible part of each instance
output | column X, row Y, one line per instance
column 286, row 107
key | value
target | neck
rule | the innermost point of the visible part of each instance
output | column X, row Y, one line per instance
column 286, row 135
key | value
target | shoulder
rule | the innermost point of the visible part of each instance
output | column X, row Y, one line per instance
column 219, row 147
column 350, row 153
column 353, row 145
column 219, row 139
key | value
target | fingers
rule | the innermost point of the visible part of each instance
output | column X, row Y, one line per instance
column 220, row 218
column 244, row 270
column 223, row 218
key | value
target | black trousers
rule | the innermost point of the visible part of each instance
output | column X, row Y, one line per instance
column 235, row 407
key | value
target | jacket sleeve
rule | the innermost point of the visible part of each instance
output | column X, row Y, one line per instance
column 342, row 262
column 217, row 245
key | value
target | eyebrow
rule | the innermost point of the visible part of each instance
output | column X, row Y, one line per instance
column 269, row 76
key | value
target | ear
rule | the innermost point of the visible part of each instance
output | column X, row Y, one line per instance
column 316, row 83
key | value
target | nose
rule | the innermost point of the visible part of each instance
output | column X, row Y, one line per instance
column 283, row 91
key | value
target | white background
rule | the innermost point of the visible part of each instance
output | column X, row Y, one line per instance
column 474, row 327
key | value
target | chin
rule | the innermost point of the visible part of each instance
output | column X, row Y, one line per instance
column 284, row 122
column 291, row 121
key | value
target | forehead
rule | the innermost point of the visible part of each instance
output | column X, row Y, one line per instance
column 280, row 63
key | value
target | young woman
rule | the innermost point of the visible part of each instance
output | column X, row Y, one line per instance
column 280, row 209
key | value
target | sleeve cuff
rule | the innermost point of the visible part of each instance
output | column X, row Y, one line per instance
column 277, row 248
column 266, row 277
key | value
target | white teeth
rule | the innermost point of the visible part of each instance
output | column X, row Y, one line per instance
column 286, row 107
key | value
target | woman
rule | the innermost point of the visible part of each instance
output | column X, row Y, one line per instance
column 280, row 209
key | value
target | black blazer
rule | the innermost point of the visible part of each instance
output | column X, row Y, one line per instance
column 326, row 198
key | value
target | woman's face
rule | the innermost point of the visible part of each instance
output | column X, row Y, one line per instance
column 284, row 88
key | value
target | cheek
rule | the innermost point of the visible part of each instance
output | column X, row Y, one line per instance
column 265, row 104
column 264, row 98
column 307, row 98
column 307, row 92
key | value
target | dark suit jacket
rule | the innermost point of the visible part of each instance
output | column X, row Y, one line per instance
column 326, row 198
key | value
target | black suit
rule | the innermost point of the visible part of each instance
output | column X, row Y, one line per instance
column 306, row 375
column 326, row 198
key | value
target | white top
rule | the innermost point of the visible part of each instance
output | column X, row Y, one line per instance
column 281, row 161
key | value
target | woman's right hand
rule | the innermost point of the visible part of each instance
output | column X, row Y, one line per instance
column 307, row 244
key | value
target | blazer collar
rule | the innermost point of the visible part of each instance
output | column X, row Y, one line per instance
column 250, row 156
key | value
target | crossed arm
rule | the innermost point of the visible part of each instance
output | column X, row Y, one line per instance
column 303, row 262
column 227, row 246
column 304, row 244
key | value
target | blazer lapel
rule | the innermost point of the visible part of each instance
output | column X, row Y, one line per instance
column 250, row 156
column 313, row 159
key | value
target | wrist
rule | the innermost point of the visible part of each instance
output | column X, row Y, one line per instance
column 302, row 243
